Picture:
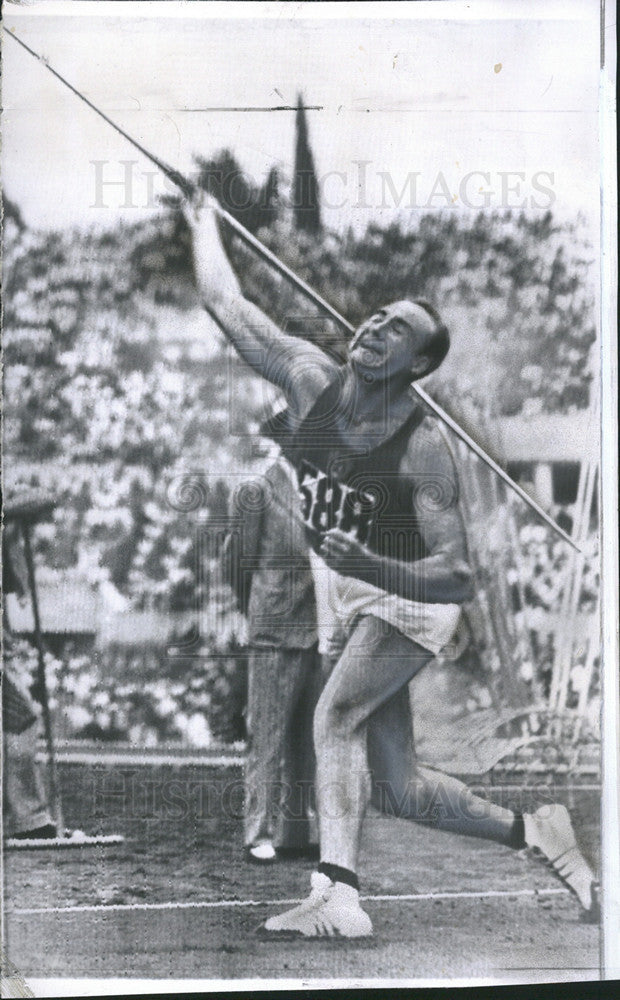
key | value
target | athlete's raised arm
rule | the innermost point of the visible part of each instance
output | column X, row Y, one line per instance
column 300, row 369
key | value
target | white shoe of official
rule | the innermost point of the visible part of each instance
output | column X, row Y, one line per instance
column 261, row 854
column 331, row 910
column 549, row 832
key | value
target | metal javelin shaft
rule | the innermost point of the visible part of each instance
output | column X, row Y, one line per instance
column 189, row 189
column 175, row 176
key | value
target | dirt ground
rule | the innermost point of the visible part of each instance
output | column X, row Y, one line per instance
column 85, row 912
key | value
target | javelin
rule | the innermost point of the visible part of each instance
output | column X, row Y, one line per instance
column 189, row 190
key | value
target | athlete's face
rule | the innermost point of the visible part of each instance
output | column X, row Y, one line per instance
column 393, row 341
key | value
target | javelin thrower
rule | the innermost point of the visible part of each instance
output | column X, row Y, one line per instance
column 380, row 501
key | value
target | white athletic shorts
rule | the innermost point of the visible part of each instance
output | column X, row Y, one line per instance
column 339, row 599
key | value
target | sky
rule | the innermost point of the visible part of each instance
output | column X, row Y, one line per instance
column 429, row 105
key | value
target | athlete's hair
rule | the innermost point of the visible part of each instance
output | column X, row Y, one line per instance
column 438, row 343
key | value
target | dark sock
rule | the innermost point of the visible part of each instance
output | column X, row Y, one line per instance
column 338, row 874
column 517, row 834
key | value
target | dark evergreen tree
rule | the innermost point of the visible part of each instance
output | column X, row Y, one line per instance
column 306, row 207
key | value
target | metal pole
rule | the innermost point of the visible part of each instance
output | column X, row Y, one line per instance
column 42, row 683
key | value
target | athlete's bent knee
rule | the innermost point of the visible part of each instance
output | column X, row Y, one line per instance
column 332, row 721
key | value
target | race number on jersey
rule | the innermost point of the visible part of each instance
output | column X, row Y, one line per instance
column 328, row 503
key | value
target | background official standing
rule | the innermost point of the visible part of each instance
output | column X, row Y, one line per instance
column 266, row 560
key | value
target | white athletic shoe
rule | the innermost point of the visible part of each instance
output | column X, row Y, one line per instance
column 261, row 854
column 331, row 910
column 549, row 832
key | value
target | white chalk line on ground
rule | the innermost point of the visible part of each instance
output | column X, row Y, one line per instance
column 115, row 759
column 222, row 756
column 232, row 903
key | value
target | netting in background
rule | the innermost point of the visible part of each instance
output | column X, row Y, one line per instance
column 525, row 687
